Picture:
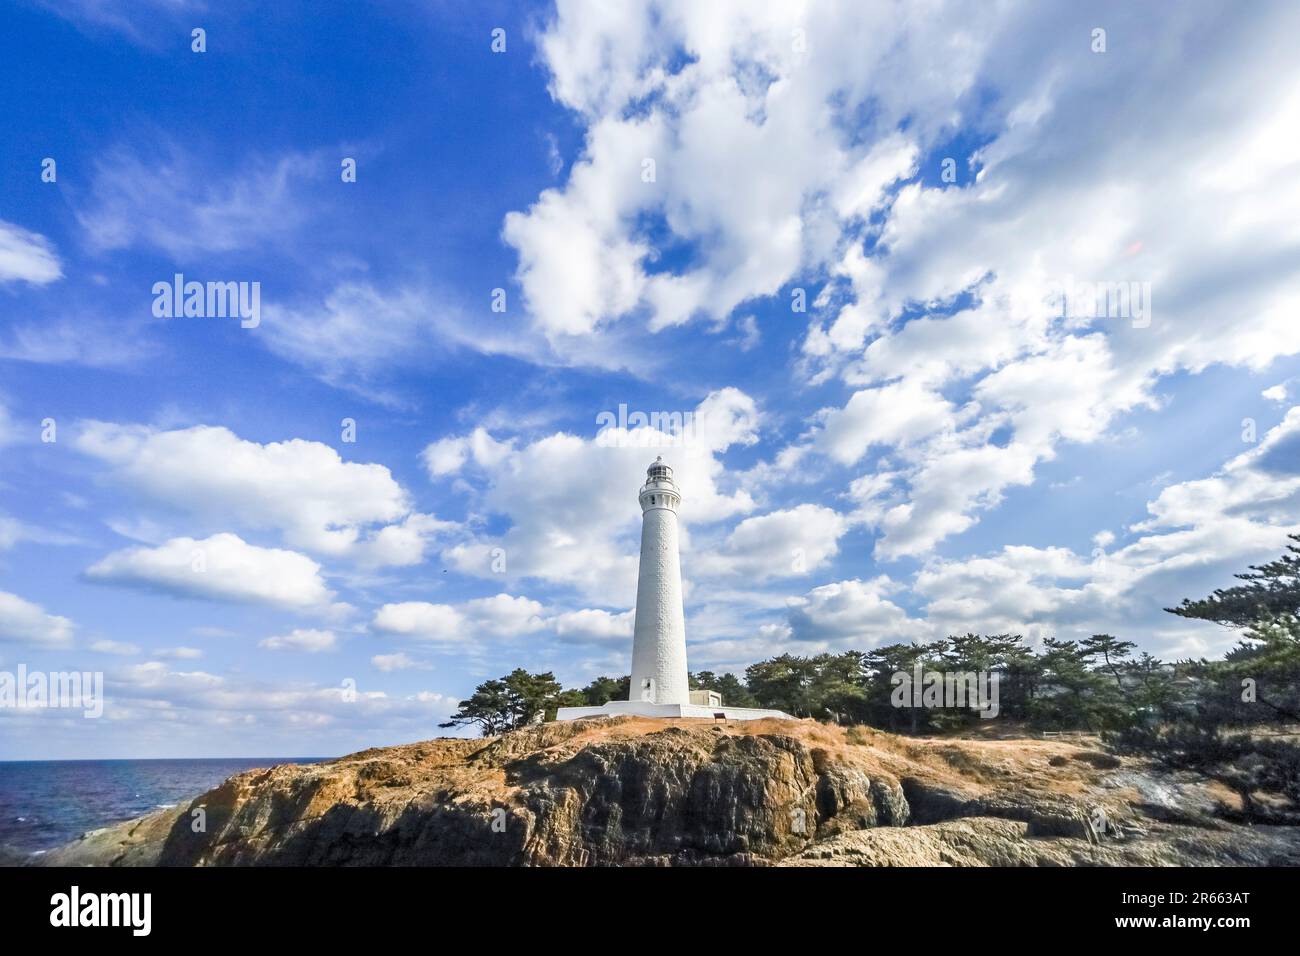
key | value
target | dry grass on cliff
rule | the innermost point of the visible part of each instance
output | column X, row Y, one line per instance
column 478, row 768
column 1059, row 765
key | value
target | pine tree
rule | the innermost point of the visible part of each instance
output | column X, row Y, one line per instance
column 1266, row 662
column 1272, row 591
column 513, row 701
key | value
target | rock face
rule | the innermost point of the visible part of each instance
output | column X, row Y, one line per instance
column 634, row 791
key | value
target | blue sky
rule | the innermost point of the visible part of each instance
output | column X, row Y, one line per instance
column 931, row 444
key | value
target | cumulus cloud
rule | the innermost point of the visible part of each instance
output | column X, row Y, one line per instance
column 303, row 489
column 23, row 622
column 571, row 501
column 222, row 567
column 447, row 456
column 310, row 640
column 750, row 164
column 595, row 626
column 502, row 615
column 396, row 662
column 852, row 613
column 784, row 543
column 900, row 413
column 403, row 544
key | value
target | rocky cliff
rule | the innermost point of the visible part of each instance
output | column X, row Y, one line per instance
column 632, row 791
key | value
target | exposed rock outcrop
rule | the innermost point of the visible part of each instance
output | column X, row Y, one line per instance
column 633, row 791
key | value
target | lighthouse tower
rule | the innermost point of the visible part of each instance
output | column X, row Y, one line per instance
column 659, row 637
column 660, row 687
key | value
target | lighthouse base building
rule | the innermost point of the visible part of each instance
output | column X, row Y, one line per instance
column 660, row 687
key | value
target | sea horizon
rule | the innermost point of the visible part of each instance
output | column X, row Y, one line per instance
column 45, row 804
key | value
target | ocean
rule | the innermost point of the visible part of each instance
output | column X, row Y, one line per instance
column 46, row 803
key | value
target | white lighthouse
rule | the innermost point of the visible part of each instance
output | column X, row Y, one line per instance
column 659, row 636
column 660, row 686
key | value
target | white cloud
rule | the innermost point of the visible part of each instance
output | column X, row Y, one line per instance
column 396, row 662
column 947, row 466
column 23, row 622
column 115, row 647
column 595, row 626
column 303, row 489
column 89, row 339
column 569, row 295
column 952, row 480
column 785, row 543
column 420, row 619
column 1021, row 589
column 1259, row 485
column 311, row 640
column 11, row 530
column 27, row 256
column 1199, row 533
column 1044, row 378
column 449, row 455
column 1276, row 393
column 8, row 430
column 901, row 413
column 571, row 501
column 136, row 19
column 502, row 615
column 404, row 544
column 751, row 164
column 171, row 202
column 852, row 613
column 358, row 333
column 157, row 703
column 222, row 567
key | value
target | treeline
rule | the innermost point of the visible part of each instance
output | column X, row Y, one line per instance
column 1097, row 684
column 1093, row 684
